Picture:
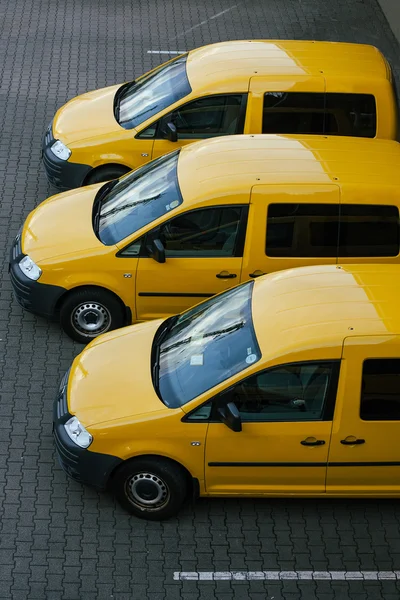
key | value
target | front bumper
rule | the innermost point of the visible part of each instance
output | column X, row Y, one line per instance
column 39, row 298
column 91, row 468
column 63, row 174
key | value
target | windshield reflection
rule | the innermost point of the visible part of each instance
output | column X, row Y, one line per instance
column 207, row 345
column 139, row 198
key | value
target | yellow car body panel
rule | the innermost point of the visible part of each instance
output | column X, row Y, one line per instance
column 251, row 171
column 336, row 313
column 88, row 127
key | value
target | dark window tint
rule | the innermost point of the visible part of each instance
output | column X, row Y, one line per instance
column 302, row 230
column 318, row 113
column 352, row 114
column 369, row 230
column 380, row 390
column 207, row 232
column 209, row 117
column 293, row 113
column 295, row 392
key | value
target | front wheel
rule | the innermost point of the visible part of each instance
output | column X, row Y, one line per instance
column 150, row 488
column 89, row 312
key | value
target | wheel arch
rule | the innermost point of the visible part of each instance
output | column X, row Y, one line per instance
column 67, row 293
column 193, row 486
column 103, row 167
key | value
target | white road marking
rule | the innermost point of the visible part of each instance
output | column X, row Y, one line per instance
column 284, row 575
column 204, row 22
column 166, row 51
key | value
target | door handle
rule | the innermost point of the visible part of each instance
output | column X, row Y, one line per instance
column 256, row 273
column 354, row 442
column 226, row 275
column 312, row 442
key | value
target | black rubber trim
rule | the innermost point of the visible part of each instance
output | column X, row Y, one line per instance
column 38, row 298
column 63, row 174
column 175, row 295
column 299, row 464
column 91, row 468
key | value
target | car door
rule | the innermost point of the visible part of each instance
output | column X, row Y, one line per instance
column 291, row 226
column 364, row 456
column 200, row 119
column 286, row 105
column 286, row 414
column 203, row 256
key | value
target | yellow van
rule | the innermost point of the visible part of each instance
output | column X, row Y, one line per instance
column 253, row 86
column 288, row 385
column 198, row 221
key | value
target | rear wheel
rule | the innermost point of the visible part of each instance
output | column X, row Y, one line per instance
column 89, row 312
column 106, row 173
column 150, row 488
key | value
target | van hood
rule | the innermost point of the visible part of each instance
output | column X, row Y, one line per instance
column 111, row 378
column 85, row 115
column 62, row 225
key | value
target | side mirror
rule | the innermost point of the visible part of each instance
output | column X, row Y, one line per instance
column 156, row 250
column 230, row 416
column 170, row 132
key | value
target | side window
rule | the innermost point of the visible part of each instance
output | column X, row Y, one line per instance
column 350, row 114
column 318, row 113
column 369, row 230
column 302, row 230
column 294, row 392
column 207, row 232
column 209, row 117
column 131, row 251
column 293, row 112
column 380, row 390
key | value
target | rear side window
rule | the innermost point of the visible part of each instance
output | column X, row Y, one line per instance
column 298, row 230
column 318, row 113
column 329, row 230
column 369, row 230
column 380, row 390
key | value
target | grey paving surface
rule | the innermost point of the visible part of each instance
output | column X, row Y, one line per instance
column 57, row 539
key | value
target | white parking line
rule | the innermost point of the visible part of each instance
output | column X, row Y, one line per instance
column 284, row 575
column 166, row 51
column 204, row 22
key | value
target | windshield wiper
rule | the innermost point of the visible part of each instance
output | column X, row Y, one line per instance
column 118, row 97
column 158, row 339
column 98, row 203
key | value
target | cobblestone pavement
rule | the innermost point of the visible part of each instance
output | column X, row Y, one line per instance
column 59, row 540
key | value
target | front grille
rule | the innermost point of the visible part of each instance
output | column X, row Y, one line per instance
column 62, row 404
column 48, row 136
column 17, row 245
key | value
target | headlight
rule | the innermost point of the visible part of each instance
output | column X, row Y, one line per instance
column 29, row 268
column 78, row 433
column 60, row 150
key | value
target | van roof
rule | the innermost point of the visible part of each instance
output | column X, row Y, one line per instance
column 236, row 61
column 312, row 308
column 234, row 164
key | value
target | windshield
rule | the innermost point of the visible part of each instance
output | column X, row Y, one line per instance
column 152, row 93
column 139, row 198
column 206, row 345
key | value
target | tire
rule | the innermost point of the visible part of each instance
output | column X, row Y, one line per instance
column 106, row 173
column 153, row 478
column 90, row 311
